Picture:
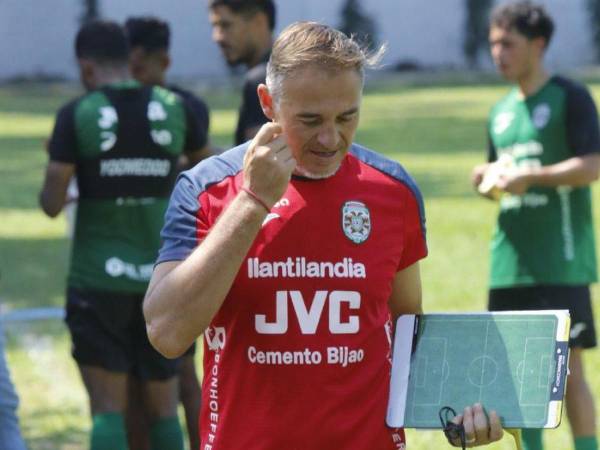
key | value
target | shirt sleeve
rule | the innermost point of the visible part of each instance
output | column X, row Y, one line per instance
column 415, row 245
column 198, row 121
column 184, row 221
column 62, row 146
column 196, row 116
column 583, row 134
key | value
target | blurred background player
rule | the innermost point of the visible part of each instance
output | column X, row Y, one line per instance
column 543, row 251
column 243, row 29
column 149, row 59
column 123, row 141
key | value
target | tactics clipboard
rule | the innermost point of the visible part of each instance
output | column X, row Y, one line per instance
column 512, row 362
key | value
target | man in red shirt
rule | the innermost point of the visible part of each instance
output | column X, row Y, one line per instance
column 292, row 253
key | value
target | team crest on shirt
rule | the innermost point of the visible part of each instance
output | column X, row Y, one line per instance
column 541, row 115
column 356, row 221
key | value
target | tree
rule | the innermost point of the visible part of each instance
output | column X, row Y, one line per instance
column 358, row 23
column 91, row 11
column 593, row 7
column 476, row 29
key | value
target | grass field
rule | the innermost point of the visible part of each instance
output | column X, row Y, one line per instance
column 437, row 132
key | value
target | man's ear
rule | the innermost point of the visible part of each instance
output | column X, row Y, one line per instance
column 266, row 101
column 540, row 44
column 165, row 60
column 87, row 73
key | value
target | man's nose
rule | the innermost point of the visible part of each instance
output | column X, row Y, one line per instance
column 329, row 137
column 217, row 35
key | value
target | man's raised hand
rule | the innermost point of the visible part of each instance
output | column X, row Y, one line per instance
column 268, row 164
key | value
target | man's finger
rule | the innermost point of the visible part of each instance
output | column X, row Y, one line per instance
column 278, row 144
column 270, row 148
column 480, row 424
column 267, row 133
column 470, row 436
column 290, row 164
column 495, row 427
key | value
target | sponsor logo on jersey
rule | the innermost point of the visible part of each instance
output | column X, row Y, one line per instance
column 136, row 167
column 541, row 115
column 342, row 356
column 108, row 119
column 526, row 150
column 502, row 121
column 356, row 221
column 300, row 267
column 309, row 317
column 215, row 338
column 116, row 267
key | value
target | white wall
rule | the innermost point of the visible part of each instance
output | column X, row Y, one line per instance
column 37, row 36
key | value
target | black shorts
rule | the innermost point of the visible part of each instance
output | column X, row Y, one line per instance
column 576, row 299
column 190, row 351
column 108, row 331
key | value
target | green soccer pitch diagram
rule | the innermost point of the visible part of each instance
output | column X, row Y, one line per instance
column 511, row 362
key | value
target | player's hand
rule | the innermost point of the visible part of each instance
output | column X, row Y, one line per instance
column 514, row 182
column 478, row 173
column 268, row 164
column 480, row 429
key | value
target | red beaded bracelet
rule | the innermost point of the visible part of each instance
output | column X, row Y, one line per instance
column 252, row 194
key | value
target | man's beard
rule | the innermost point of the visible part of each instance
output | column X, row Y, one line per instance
column 301, row 171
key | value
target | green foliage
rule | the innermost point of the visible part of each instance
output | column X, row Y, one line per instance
column 593, row 7
column 358, row 23
column 476, row 29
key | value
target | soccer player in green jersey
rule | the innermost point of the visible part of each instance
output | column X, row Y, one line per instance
column 544, row 152
column 149, row 59
column 123, row 141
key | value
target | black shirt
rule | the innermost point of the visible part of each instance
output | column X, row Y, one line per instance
column 251, row 114
column 199, row 110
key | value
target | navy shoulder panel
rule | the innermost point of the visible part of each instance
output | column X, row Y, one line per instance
column 390, row 167
column 567, row 84
column 216, row 168
column 394, row 170
column 583, row 132
column 179, row 233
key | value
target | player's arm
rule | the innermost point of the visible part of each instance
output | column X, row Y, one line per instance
column 575, row 172
column 479, row 171
column 406, row 295
column 53, row 195
column 202, row 281
column 61, row 149
column 583, row 140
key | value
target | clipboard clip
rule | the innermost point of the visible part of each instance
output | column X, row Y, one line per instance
column 452, row 431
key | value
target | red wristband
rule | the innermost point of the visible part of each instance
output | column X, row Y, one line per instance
column 256, row 198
